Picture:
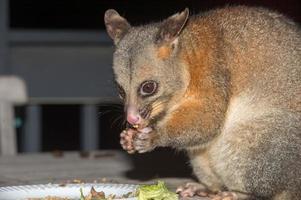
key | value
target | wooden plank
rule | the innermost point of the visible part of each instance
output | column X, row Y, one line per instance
column 31, row 138
column 19, row 37
column 89, row 127
column 4, row 67
column 7, row 131
column 79, row 72
column 74, row 100
column 110, row 164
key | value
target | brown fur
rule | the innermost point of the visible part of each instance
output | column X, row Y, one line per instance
column 164, row 52
column 229, row 95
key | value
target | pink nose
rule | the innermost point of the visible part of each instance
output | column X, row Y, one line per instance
column 133, row 119
column 133, row 116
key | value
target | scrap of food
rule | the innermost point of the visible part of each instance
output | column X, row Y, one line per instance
column 144, row 192
column 136, row 126
column 94, row 195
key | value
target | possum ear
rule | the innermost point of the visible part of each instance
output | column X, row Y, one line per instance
column 116, row 25
column 172, row 27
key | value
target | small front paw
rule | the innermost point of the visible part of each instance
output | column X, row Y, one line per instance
column 192, row 189
column 126, row 140
column 144, row 140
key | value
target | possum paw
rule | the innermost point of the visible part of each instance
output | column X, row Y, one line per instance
column 141, row 141
column 144, row 140
column 192, row 189
column 126, row 140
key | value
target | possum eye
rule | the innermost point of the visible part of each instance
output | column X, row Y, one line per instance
column 121, row 92
column 148, row 88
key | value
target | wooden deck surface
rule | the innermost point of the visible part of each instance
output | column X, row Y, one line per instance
column 103, row 166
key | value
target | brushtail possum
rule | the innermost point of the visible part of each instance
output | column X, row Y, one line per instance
column 225, row 86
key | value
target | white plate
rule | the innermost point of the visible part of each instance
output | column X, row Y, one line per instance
column 71, row 191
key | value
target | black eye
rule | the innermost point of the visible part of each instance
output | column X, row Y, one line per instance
column 148, row 88
column 121, row 91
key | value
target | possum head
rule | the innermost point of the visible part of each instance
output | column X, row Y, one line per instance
column 148, row 72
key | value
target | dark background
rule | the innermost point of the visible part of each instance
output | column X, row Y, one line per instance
column 88, row 14
column 59, row 121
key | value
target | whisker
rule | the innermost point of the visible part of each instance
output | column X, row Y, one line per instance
column 156, row 107
column 118, row 118
column 118, row 106
column 124, row 123
column 158, row 104
column 111, row 106
column 102, row 113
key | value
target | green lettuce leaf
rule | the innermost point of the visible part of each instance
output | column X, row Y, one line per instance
column 156, row 192
column 82, row 197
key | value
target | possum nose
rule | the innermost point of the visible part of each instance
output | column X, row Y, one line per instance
column 133, row 116
column 133, row 119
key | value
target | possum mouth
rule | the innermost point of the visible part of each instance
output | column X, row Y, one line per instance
column 152, row 113
column 151, row 122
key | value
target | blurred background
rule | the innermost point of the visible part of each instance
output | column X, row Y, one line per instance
column 60, row 49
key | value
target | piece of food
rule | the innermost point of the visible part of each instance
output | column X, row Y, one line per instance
column 156, row 192
column 93, row 195
column 136, row 126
